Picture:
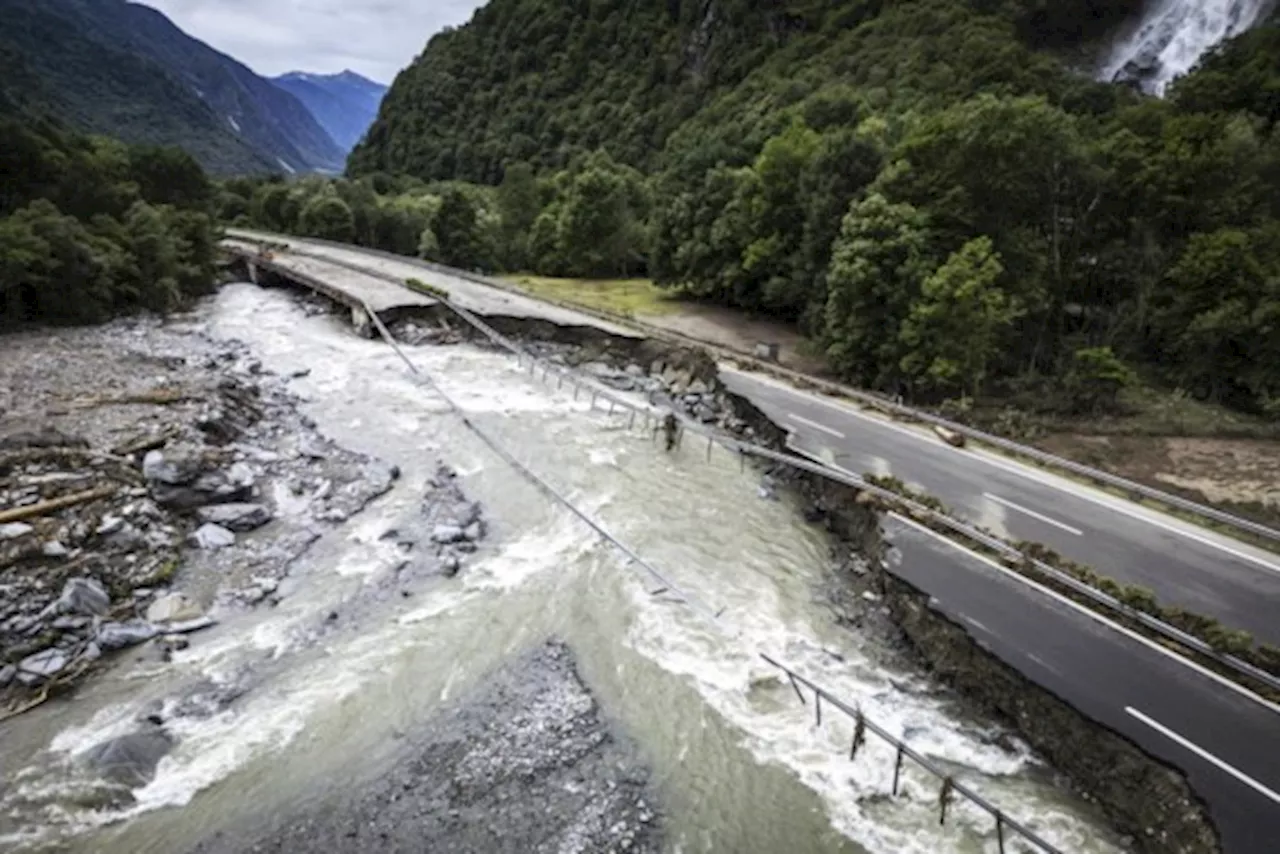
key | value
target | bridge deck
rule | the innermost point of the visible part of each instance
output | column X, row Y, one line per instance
column 347, row 286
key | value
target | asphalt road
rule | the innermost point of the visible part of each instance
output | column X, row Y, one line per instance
column 1187, row 566
column 1227, row 743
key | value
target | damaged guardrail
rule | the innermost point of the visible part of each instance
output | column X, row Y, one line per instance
column 950, row 787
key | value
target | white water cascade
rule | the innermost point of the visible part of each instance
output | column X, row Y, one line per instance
column 1172, row 36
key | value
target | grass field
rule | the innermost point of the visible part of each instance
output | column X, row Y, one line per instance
column 626, row 297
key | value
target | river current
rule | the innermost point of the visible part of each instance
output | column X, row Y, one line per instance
column 738, row 762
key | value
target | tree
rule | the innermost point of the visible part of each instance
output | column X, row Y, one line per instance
column 54, row 270
column 156, row 259
column 328, row 217
column 1218, row 315
column 878, row 265
column 957, row 325
column 1095, row 379
column 519, row 204
column 456, row 232
column 170, row 176
column 268, row 208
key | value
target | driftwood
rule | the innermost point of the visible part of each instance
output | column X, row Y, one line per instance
column 41, row 508
column 158, row 397
column 146, row 443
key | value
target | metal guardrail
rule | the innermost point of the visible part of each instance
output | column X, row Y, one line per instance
column 862, row 724
column 1150, row 493
column 969, row 532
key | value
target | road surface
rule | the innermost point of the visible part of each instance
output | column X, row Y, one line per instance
column 1185, row 565
column 1227, row 743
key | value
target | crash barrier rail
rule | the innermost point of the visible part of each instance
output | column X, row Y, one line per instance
column 950, row 787
column 1225, row 662
column 862, row 725
column 877, row 401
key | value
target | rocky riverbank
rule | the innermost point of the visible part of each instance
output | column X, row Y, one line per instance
column 149, row 478
column 526, row 763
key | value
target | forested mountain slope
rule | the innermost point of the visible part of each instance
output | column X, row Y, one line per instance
column 122, row 69
column 925, row 186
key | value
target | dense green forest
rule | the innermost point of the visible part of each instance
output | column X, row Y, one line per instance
column 91, row 227
column 926, row 188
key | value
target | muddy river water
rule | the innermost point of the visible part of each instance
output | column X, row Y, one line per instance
column 738, row 763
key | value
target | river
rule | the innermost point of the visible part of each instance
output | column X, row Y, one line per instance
column 738, row 763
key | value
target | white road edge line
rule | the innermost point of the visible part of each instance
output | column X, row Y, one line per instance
column 1033, row 514
column 1096, row 617
column 1109, row 502
column 1204, row 754
column 799, row 419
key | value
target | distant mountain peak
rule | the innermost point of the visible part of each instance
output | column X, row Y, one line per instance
column 344, row 104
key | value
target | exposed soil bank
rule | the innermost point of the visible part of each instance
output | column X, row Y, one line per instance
column 526, row 763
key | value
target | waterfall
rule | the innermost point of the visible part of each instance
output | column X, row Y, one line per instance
column 1173, row 35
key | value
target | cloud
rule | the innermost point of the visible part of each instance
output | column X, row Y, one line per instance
column 375, row 38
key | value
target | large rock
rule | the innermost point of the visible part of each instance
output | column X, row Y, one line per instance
column 175, row 468
column 7, row 674
column 235, row 517
column 44, row 664
column 130, row 760
column 84, row 596
column 447, row 534
column 210, row 536
column 113, row 636
column 13, row 530
column 173, row 607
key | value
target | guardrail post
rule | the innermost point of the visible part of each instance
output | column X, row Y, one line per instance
column 1000, row 831
column 897, row 769
column 817, row 708
column 631, row 422
column 944, row 799
column 710, row 442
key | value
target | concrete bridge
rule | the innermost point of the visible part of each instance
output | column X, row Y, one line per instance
column 359, row 292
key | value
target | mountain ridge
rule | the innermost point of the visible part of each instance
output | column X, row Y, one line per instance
column 344, row 104
column 125, row 70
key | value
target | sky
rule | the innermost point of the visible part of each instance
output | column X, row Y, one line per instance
column 375, row 38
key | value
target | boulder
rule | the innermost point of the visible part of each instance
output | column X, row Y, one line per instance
column 53, row 548
column 173, row 607
column 176, row 468
column 113, row 636
column 235, row 517
column 84, row 596
column 7, row 674
column 447, row 534
column 44, row 664
column 474, row 531
column 13, row 530
column 130, row 760
column 210, row 536
column 451, row 564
